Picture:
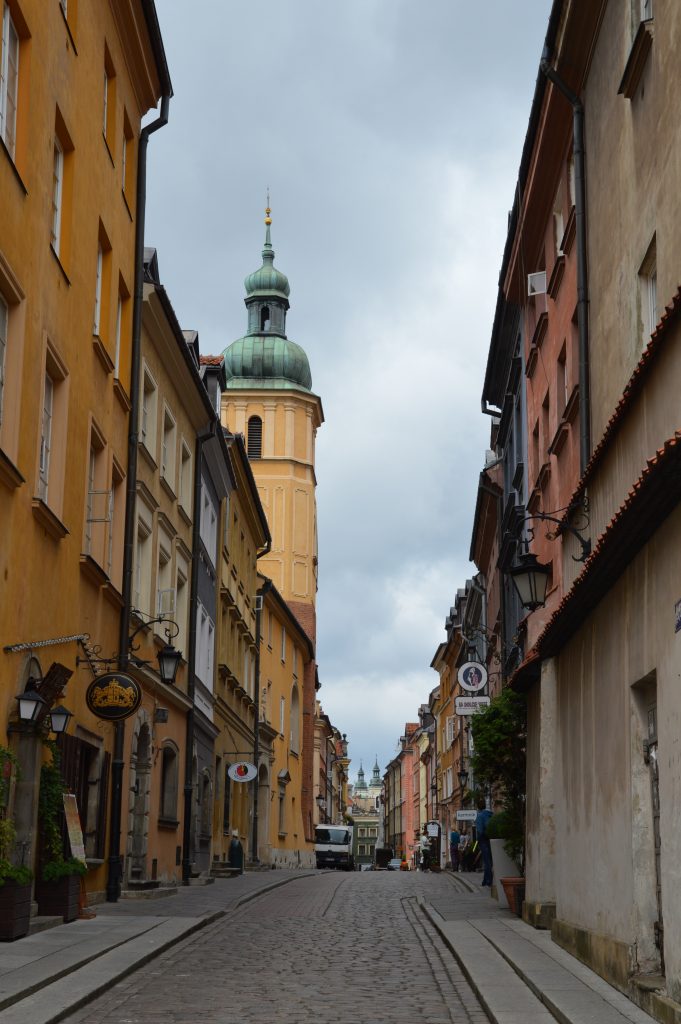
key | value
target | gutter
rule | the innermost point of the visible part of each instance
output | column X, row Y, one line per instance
column 113, row 884
column 201, row 439
column 582, row 279
column 256, row 723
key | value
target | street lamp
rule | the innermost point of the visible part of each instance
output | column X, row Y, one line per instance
column 530, row 579
column 59, row 718
column 463, row 777
column 321, row 804
column 30, row 703
column 168, row 663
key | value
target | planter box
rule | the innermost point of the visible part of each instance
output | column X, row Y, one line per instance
column 59, row 899
column 515, row 894
column 15, row 910
column 503, row 867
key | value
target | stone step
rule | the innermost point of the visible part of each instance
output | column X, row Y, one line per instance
column 41, row 924
column 149, row 894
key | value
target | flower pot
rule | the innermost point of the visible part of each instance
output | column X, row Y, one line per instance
column 15, row 910
column 515, row 894
column 503, row 867
column 60, row 898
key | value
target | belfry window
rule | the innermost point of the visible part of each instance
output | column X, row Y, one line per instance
column 255, row 437
column 265, row 318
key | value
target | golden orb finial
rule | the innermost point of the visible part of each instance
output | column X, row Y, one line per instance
column 268, row 219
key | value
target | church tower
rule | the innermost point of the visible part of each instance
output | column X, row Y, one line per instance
column 269, row 399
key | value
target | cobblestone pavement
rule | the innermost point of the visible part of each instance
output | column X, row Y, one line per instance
column 336, row 948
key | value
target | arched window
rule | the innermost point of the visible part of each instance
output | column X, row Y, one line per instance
column 295, row 720
column 255, row 437
column 169, row 778
column 265, row 318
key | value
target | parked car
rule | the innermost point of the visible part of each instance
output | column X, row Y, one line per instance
column 394, row 865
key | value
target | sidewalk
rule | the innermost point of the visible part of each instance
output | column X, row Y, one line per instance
column 50, row 974
column 519, row 973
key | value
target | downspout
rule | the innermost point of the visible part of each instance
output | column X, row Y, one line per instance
column 201, row 439
column 582, row 280
column 113, row 884
column 256, row 723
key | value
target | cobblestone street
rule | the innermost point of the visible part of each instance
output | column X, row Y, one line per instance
column 343, row 948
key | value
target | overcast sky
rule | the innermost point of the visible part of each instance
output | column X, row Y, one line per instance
column 389, row 133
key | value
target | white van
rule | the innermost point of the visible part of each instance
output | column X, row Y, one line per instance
column 333, row 847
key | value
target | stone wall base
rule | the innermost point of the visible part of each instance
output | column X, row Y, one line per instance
column 613, row 960
column 538, row 914
column 292, row 859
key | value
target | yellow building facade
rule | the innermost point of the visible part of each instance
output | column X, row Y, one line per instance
column 80, row 78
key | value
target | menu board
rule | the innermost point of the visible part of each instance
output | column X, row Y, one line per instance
column 73, row 827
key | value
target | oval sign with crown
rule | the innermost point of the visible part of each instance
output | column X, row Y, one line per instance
column 113, row 696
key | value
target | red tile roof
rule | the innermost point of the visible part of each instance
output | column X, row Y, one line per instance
column 211, row 360
column 633, row 387
column 651, row 499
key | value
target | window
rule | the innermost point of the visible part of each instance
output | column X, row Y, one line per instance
column 102, row 286
column 646, row 9
column 561, row 382
column 165, row 591
column 572, row 192
column 255, row 437
column 270, row 619
column 4, row 326
column 181, row 602
column 265, row 318
column 169, row 783
column 283, row 643
column 9, row 80
column 295, row 720
column 123, row 328
column 295, row 661
column 208, row 524
column 98, row 291
column 45, row 439
column 142, row 595
column 185, row 479
column 148, row 417
column 114, row 562
column 449, row 730
column 546, row 437
column 282, row 714
column 98, row 506
column 558, row 223
column 57, row 184
column 168, row 446
column 127, row 162
column 647, row 277
column 109, row 104
column 362, row 832
column 205, row 629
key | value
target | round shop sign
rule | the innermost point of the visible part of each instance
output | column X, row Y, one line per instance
column 113, row 696
column 242, row 771
column 472, row 676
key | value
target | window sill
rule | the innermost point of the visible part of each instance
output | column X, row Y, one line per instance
column 636, row 61
column 60, row 265
column 102, row 354
column 556, row 278
column 148, row 457
column 184, row 515
column 168, row 823
column 108, row 149
column 9, row 474
column 73, row 44
column 572, row 407
column 93, row 571
column 126, row 203
column 167, row 487
column 47, row 518
column 560, row 437
column 94, row 862
column 122, row 395
column 569, row 233
column 9, row 156
column 113, row 595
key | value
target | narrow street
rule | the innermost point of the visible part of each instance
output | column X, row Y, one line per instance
column 348, row 948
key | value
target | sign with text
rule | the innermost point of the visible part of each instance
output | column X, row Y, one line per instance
column 469, row 705
column 472, row 676
column 433, row 829
column 242, row 771
column 73, row 826
column 466, row 815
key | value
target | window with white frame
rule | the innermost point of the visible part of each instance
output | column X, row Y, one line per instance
column 185, row 478
column 205, row 629
column 148, row 417
column 295, row 721
column 165, row 591
column 96, row 322
column 168, row 446
column 282, row 714
column 558, row 223
column 98, row 510
column 119, row 321
column 143, row 543
column 4, row 328
column 181, row 602
column 646, row 10
column 449, row 782
column 45, row 438
column 114, row 561
column 449, row 730
column 57, row 187
column 9, row 80
column 283, row 643
column 209, row 523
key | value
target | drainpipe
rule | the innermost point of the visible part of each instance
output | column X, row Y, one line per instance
column 582, row 281
column 201, row 439
column 256, row 724
column 113, row 884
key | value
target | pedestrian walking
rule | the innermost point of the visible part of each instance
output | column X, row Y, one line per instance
column 481, row 820
column 454, row 843
column 424, row 843
column 464, row 851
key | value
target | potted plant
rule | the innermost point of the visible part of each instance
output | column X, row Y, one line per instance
column 58, row 885
column 15, row 880
column 498, row 762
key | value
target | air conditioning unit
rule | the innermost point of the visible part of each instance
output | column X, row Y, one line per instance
column 536, row 283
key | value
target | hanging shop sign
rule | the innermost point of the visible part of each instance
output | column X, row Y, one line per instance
column 113, row 696
column 466, row 815
column 472, row 676
column 242, row 771
column 470, row 705
column 433, row 829
column 74, row 827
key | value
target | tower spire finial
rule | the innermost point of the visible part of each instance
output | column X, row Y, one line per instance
column 268, row 252
column 268, row 219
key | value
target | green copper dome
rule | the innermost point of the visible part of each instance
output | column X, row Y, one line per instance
column 263, row 361
column 264, row 357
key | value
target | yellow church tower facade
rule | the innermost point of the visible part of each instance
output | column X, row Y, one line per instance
column 269, row 399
